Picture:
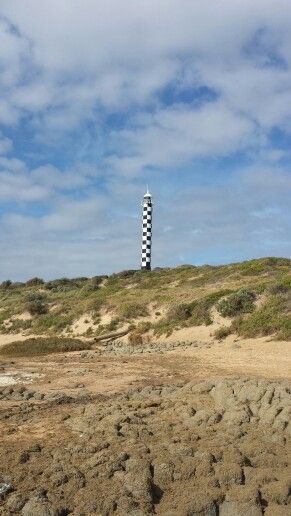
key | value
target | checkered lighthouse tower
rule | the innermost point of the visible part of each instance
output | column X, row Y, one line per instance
column 146, row 248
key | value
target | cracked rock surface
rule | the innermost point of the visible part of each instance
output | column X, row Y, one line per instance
column 213, row 447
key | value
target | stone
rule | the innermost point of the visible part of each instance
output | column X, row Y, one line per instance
column 228, row 474
column 163, row 473
column 239, row 509
column 38, row 396
column 24, row 457
column 7, row 391
column 243, row 493
column 20, row 389
column 34, row 507
column 276, row 492
column 5, row 489
column 27, row 395
column 202, row 507
column 15, row 502
column 203, row 388
column 277, row 510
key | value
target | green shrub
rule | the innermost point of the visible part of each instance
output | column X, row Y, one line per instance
column 278, row 288
column 96, row 319
column 18, row 325
column 6, row 284
column 65, row 284
column 35, row 296
column 53, row 321
column 43, row 345
column 94, row 283
column 3, row 316
column 200, row 308
column 34, row 282
column 124, row 274
column 284, row 327
column 101, row 329
column 113, row 325
column 179, row 312
column 237, row 303
column 286, row 281
column 135, row 338
column 259, row 323
column 261, row 265
column 222, row 332
column 272, row 318
column 37, row 307
column 95, row 304
column 133, row 310
column 200, row 314
column 144, row 326
column 164, row 327
column 18, row 284
column 195, row 313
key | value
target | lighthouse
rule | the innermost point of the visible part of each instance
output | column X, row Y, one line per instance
column 146, row 247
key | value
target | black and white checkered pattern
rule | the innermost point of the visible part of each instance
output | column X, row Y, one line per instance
column 146, row 248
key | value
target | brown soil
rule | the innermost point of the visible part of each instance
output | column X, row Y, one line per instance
column 200, row 428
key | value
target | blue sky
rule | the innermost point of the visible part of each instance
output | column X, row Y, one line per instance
column 99, row 99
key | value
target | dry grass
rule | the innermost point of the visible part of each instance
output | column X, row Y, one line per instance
column 44, row 346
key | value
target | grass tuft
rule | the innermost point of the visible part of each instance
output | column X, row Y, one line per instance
column 222, row 332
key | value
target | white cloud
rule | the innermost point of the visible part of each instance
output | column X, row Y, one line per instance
column 175, row 135
column 43, row 183
column 82, row 54
column 5, row 144
column 72, row 66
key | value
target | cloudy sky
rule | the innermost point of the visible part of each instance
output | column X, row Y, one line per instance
column 99, row 98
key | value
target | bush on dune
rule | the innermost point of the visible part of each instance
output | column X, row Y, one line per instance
column 6, row 284
column 180, row 312
column 43, row 346
column 133, row 310
column 272, row 318
column 37, row 307
column 201, row 308
column 240, row 302
column 195, row 313
column 36, row 303
column 52, row 322
column 34, row 282
column 94, row 283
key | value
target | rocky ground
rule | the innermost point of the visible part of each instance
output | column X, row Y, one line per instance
column 144, row 431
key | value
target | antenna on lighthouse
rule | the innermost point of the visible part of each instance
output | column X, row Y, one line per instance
column 146, row 246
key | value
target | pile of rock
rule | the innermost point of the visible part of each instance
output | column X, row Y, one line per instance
column 22, row 393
